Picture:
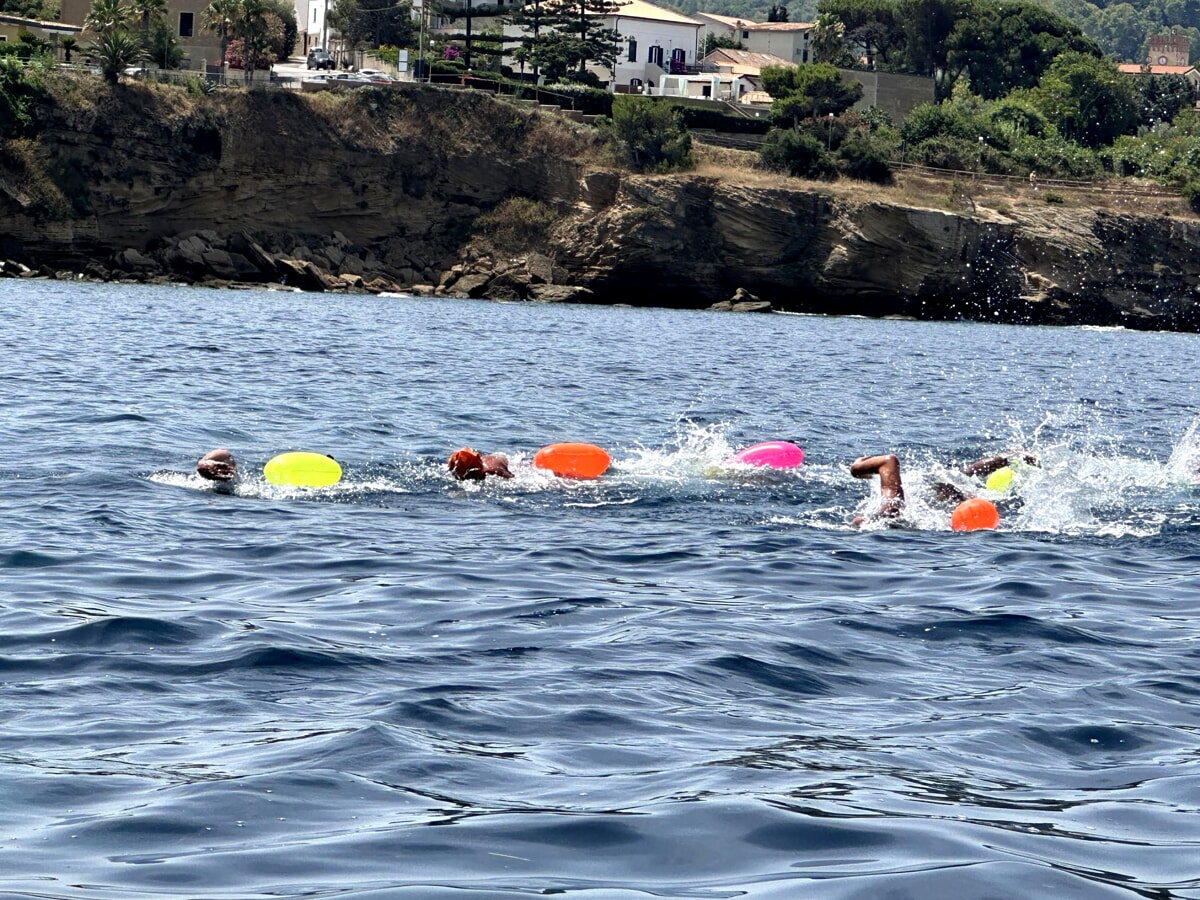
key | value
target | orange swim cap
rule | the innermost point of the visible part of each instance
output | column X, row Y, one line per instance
column 466, row 465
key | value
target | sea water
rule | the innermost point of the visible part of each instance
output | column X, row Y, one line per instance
column 686, row 679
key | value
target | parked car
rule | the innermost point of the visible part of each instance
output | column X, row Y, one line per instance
column 375, row 76
column 320, row 59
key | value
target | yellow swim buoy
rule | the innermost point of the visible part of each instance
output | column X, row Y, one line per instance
column 1000, row 480
column 299, row 469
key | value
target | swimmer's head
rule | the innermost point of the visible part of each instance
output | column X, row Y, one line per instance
column 218, row 465
column 466, row 465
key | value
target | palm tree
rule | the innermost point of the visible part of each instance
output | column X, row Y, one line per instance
column 106, row 16
column 252, row 28
column 221, row 18
column 69, row 44
column 147, row 13
column 115, row 51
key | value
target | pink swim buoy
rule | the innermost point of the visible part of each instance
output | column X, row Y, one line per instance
column 771, row 454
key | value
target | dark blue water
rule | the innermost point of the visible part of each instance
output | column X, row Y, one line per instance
column 684, row 680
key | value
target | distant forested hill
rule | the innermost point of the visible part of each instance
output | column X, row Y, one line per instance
column 1122, row 30
column 43, row 10
column 751, row 10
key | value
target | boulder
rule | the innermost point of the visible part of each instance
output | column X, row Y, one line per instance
column 742, row 301
column 472, row 285
column 301, row 274
column 599, row 189
column 230, row 266
column 559, row 293
column 540, row 268
column 130, row 260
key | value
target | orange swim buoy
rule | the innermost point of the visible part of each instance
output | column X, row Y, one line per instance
column 974, row 515
column 573, row 460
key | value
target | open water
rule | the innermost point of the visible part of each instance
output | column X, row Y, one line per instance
column 683, row 680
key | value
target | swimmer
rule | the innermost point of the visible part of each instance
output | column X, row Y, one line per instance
column 891, row 487
column 218, row 465
column 471, row 465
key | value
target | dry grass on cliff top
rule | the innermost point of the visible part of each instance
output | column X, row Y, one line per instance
column 955, row 194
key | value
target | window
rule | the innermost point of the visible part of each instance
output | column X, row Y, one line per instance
column 632, row 50
column 745, row 35
column 656, row 55
column 185, row 24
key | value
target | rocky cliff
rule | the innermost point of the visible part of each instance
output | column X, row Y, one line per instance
column 411, row 189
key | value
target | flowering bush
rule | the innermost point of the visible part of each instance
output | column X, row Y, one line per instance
column 235, row 56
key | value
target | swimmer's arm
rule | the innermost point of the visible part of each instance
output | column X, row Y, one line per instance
column 866, row 466
column 986, row 466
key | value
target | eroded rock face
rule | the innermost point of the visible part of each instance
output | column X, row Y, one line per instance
column 691, row 242
column 384, row 193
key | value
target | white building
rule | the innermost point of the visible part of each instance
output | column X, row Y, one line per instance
column 656, row 42
column 310, row 21
column 787, row 40
column 744, row 69
column 708, row 86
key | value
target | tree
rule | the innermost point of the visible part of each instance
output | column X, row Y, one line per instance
column 777, row 13
column 69, row 44
column 713, row 42
column 812, row 89
column 650, row 135
column 826, row 41
column 106, row 16
column 251, row 28
column 147, row 13
column 567, row 36
column 926, row 25
column 115, row 51
column 870, row 24
column 1163, row 97
column 220, row 17
column 372, row 23
column 163, row 49
column 1091, row 102
column 1004, row 47
column 796, row 153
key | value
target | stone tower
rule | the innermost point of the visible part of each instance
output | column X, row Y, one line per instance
column 1169, row 50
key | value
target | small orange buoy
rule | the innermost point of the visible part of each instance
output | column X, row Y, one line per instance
column 573, row 460
column 974, row 514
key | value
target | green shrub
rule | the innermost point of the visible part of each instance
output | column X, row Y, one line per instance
column 1054, row 199
column 938, row 120
column 588, row 100
column 19, row 96
column 649, row 136
column 864, row 157
column 517, row 225
column 700, row 117
column 795, row 153
column 946, row 152
column 1191, row 193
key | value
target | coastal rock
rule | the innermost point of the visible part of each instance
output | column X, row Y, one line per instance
column 742, row 301
column 395, row 200
column 472, row 285
column 302, row 274
column 131, row 261
column 560, row 293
